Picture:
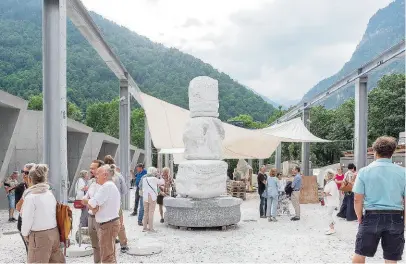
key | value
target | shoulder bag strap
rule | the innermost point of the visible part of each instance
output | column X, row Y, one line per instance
column 150, row 186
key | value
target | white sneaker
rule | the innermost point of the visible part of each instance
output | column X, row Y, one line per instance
column 330, row 232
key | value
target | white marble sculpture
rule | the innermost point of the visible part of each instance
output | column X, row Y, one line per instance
column 203, row 174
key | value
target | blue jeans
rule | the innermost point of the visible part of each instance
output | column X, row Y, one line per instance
column 141, row 213
column 272, row 205
column 11, row 201
column 262, row 206
column 387, row 227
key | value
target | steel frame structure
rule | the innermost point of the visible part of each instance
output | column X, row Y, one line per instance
column 360, row 78
column 55, row 13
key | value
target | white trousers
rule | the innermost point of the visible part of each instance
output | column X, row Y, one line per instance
column 329, row 215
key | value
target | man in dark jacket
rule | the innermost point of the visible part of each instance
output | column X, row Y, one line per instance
column 261, row 188
column 140, row 171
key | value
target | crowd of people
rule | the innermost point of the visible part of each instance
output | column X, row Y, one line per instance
column 99, row 191
column 374, row 197
column 275, row 192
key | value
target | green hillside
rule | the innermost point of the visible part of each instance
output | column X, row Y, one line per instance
column 159, row 71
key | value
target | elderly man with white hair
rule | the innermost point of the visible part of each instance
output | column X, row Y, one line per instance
column 106, row 206
column 331, row 199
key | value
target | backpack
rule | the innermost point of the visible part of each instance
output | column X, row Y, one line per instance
column 288, row 188
column 64, row 222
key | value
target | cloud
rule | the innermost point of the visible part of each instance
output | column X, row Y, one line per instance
column 284, row 47
column 192, row 22
column 280, row 48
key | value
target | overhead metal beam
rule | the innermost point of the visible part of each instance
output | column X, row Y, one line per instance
column 392, row 53
column 81, row 18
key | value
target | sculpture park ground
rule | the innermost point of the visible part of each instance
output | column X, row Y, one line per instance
column 252, row 240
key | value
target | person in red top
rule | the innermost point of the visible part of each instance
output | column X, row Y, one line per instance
column 339, row 179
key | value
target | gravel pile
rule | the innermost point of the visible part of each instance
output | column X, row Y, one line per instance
column 252, row 240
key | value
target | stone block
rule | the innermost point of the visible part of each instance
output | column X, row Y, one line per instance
column 202, row 139
column 213, row 212
column 201, row 178
column 203, row 97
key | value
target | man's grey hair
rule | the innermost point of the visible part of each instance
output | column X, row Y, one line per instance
column 109, row 170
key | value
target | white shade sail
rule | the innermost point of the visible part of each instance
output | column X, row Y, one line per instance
column 292, row 131
column 167, row 123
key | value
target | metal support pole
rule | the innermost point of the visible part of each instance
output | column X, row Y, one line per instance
column 361, row 122
column 124, row 135
column 54, row 92
column 171, row 164
column 306, row 145
column 147, row 146
column 260, row 163
column 167, row 160
column 278, row 158
column 159, row 161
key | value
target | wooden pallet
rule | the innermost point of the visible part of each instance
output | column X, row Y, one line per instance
column 236, row 189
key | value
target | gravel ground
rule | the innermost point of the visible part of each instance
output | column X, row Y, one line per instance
column 253, row 240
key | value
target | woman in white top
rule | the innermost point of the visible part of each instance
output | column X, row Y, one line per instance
column 283, row 199
column 150, row 193
column 331, row 199
column 39, row 227
column 81, row 189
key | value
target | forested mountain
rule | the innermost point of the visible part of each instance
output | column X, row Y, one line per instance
column 385, row 29
column 159, row 71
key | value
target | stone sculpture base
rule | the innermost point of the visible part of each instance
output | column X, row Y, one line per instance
column 201, row 178
column 212, row 212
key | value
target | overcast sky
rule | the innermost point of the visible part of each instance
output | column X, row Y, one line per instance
column 280, row 48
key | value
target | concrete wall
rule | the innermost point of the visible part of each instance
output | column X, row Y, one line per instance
column 12, row 110
column 21, row 142
column 28, row 147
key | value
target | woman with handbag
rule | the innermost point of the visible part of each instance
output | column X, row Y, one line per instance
column 81, row 189
column 272, row 194
column 150, row 192
column 347, row 210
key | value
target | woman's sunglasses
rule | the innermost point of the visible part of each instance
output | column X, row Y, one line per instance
column 25, row 172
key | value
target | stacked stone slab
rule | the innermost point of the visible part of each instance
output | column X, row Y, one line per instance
column 201, row 179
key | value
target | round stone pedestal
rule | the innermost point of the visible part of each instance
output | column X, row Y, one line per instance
column 212, row 212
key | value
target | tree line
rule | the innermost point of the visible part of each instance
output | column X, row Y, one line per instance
column 386, row 116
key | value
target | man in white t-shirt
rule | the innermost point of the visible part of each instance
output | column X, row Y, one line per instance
column 106, row 206
column 94, row 186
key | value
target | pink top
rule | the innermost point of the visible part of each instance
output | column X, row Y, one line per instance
column 339, row 178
